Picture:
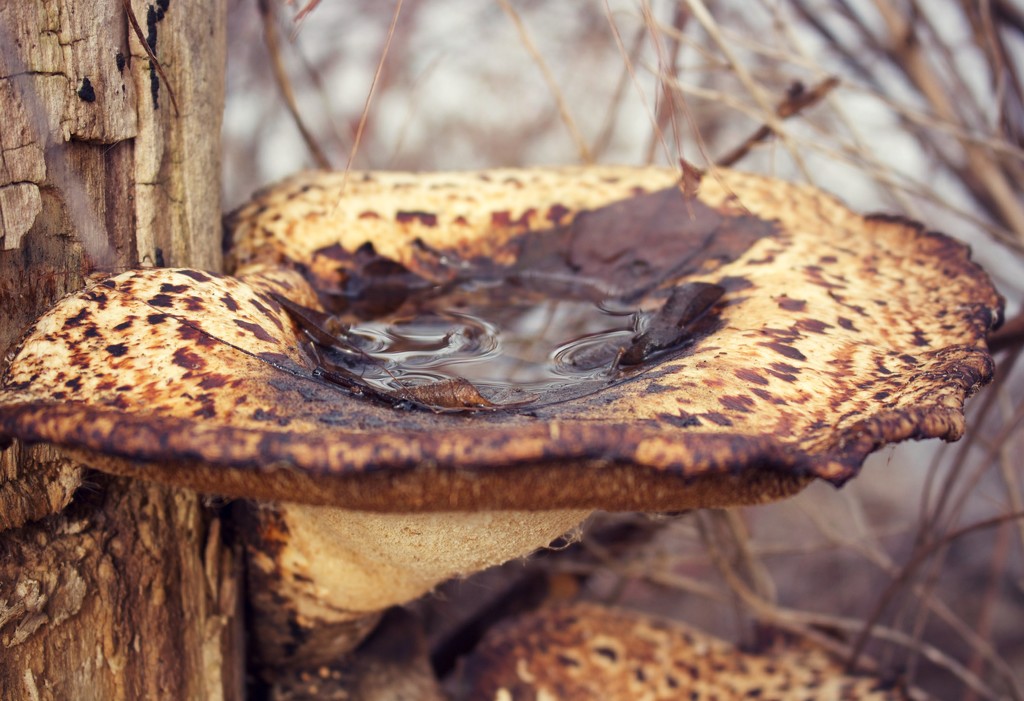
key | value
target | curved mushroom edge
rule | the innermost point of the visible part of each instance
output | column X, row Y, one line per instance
column 613, row 467
column 837, row 334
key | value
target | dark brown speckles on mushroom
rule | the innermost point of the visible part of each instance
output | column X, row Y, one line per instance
column 589, row 652
column 795, row 373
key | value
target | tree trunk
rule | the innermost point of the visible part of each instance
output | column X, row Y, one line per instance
column 109, row 588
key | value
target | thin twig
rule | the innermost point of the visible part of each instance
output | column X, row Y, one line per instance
column 745, row 556
column 704, row 17
column 667, row 66
column 1003, row 73
column 640, row 568
column 154, row 61
column 929, row 515
column 1009, row 427
column 797, row 99
column 678, row 100
column 284, row 84
column 803, row 623
column 1008, row 463
column 857, row 541
column 631, row 68
column 604, row 136
column 369, row 98
column 958, row 506
column 987, row 183
column 997, row 570
column 815, row 20
column 920, row 557
column 549, row 78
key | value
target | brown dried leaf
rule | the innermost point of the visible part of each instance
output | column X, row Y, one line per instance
column 456, row 393
column 668, row 327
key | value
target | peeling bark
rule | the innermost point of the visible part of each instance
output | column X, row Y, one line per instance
column 109, row 589
column 127, row 594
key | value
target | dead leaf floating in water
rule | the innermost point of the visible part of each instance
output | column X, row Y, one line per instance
column 667, row 328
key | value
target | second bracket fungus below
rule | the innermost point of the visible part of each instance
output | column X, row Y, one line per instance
column 425, row 375
column 587, row 651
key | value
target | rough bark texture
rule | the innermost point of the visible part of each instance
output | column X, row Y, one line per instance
column 128, row 592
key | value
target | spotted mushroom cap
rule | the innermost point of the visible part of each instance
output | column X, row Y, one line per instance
column 466, row 213
column 587, row 651
column 836, row 334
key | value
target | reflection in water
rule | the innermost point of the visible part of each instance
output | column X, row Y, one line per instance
column 497, row 344
column 501, row 345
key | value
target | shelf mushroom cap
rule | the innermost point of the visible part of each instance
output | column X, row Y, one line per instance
column 836, row 334
column 588, row 651
column 787, row 338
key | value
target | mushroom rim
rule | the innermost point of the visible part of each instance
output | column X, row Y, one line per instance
column 272, row 465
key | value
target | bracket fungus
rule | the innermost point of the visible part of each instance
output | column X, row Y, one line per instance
column 349, row 377
column 587, row 651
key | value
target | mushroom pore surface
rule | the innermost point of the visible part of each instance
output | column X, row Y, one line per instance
column 363, row 562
